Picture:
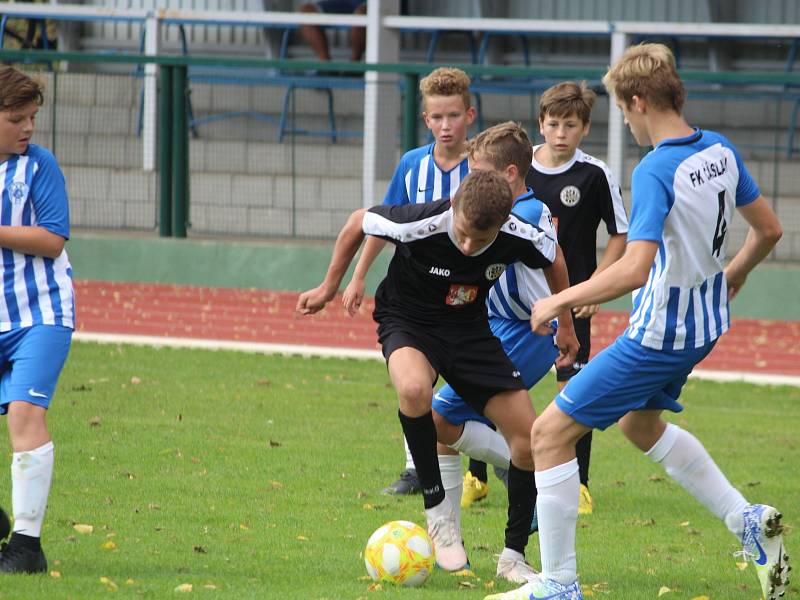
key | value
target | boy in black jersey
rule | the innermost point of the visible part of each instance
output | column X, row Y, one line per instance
column 580, row 191
column 432, row 320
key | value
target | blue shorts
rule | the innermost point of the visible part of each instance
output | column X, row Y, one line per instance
column 31, row 359
column 531, row 353
column 339, row 7
column 627, row 376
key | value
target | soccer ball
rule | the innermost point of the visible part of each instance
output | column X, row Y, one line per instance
column 399, row 552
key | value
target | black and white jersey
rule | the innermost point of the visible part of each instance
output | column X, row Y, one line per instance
column 579, row 194
column 430, row 281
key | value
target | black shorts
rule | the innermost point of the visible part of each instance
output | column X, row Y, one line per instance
column 583, row 331
column 469, row 358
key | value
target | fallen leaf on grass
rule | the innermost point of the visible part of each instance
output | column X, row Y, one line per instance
column 700, row 598
column 200, row 550
column 210, row 586
column 663, row 590
column 55, row 574
column 274, row 444
column 368, row 506
column 466, row 584
column 276, row 485
column 184, row 588
column 302, row 538
column 108, row 583
column 135, row 380
column 488, row 585
column 685, row 524
column 741, row 565
column 95, row 421
column 83, row 528
column 108, row 545
column 463, row 573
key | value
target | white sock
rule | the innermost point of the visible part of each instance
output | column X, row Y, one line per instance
column 409, row 459
column 687, row 462
column 557, row 509
column 481, row 442
column 509, row 554
column 453, row 482
column 31, row 473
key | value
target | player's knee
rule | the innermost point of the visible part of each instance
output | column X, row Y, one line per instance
column 541, row 437
column 414, row 394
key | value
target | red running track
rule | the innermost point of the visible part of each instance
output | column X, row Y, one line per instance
column 251, row 315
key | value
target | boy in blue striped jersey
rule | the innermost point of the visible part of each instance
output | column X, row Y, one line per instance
column 36, row 311
column 504, row 149
column 683, row 195
column 430, row 172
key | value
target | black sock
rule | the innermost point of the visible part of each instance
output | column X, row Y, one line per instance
column 420, row 434
column 20, row 540
column 521, row 502
column 583, row 451
column 478, row 469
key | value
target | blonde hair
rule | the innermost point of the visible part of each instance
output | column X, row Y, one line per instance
column 484, row 199
column 647, row 71
column 502, row 145
column 446, row 81
column 566, row 99
column 18, row 89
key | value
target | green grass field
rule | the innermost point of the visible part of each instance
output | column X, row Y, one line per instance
column 250, row 476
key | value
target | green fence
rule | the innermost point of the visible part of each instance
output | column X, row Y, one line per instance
column 255, row 148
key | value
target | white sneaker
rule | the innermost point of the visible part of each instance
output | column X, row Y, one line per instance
column 445, row 533
column 515, row 570
column 763, row 544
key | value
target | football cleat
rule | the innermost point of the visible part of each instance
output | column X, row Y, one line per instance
column 5, row 525
column 444, row 532
column 18, row 559
column 762, row 543
column 406, row 484
column 585, row 505
column 542, row 589
column 514, row 570
column 474, row 490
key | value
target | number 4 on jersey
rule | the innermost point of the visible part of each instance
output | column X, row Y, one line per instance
column 722, row 226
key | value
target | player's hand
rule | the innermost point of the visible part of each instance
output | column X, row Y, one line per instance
column 584, row 312
column 735, row 283
column 568, row 346
column 314, row 300
column 544, row 311
column 353, row 296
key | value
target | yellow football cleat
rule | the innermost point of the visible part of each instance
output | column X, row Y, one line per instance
column 474, row 490
column 584, row 501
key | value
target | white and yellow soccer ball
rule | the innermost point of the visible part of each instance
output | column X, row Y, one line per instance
column 399, row 552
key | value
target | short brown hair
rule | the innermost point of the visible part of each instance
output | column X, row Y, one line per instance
column 446, row 81
column 566, row 99
column 484, row 199
column 502, row 145
column 647, row 71
column 18, row 89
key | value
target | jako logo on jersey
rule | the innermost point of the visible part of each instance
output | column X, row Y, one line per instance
column 494, row 271
column 570, row 196
column 441, row 271
column 17, row 192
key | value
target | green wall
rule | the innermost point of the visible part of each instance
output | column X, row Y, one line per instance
column 772, row 292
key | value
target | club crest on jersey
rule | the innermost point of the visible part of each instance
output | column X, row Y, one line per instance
column 460, row 295
column 17, row 192
column 570, row 196
column 494, row 271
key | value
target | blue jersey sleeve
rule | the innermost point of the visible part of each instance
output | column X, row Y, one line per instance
column 49, row 195
column 650, row 204
column 398, row 193
column 747, row 189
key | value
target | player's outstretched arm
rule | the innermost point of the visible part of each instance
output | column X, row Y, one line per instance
column 347, row 243
column 558, row 281
column 354, row 292
column 33, row 240
column 764, row 232
column 613, row 252
column 627, row 274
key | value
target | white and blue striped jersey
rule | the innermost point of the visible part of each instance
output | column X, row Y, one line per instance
column 418, row 179
column 36, row 290
column 683, row 197
column 516, row 290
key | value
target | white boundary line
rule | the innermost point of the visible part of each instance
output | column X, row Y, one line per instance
column 329, row 352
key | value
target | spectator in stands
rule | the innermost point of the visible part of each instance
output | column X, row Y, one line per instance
column 314, row 35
